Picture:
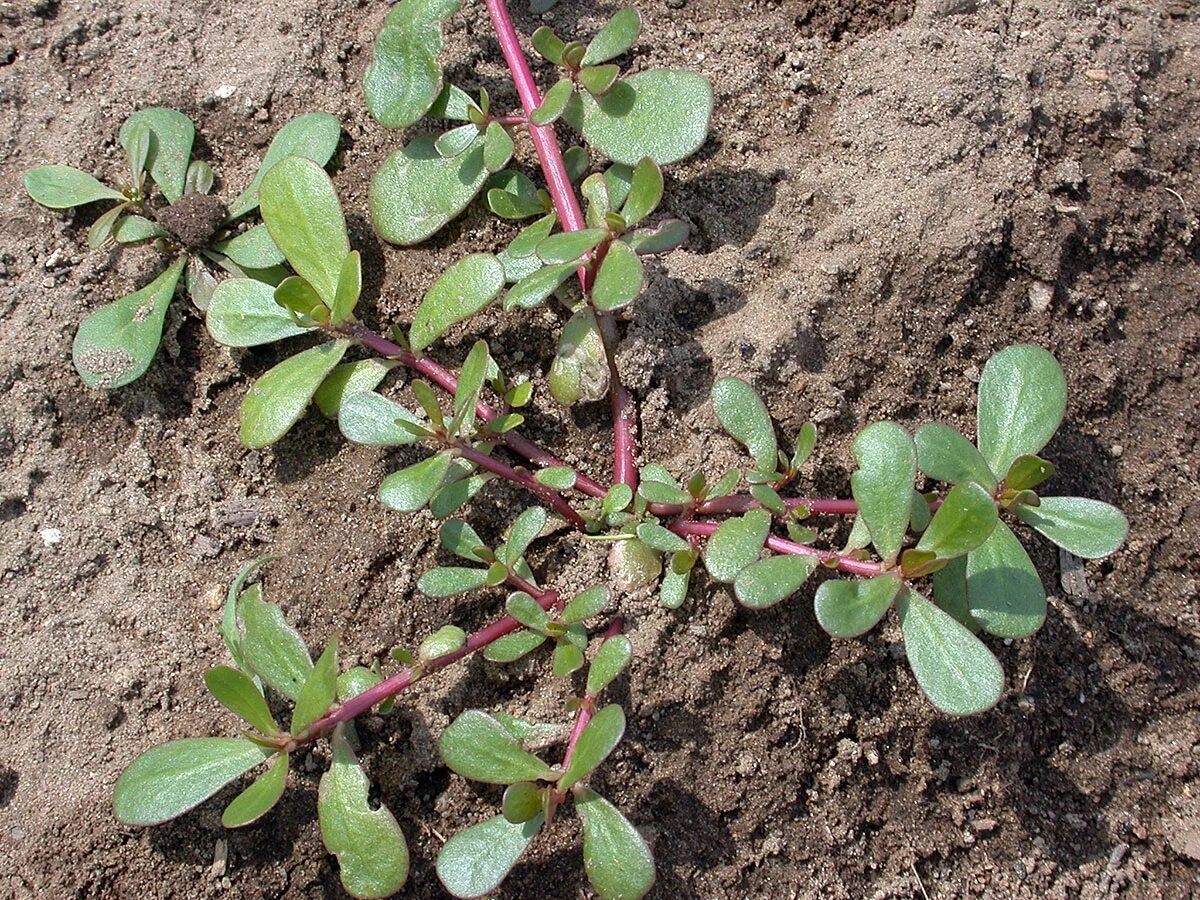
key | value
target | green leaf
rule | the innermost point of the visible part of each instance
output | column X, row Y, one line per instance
column 260, row 797
column 457, row 140
column 568, row 246
column 404, row 79
column 598, row 739
column 585, row 604
column 470, row 382
column 919, row 516
column 102, row 228
column 1003, row 590
column 1086, row 528
column 513, row 646
column 736, row 544
column 462, row 540
column 199, row 178
column 511, row 195
column 614, row 38
column 522, row 801
column 956, row 671
column 171, row 136
column 532, row 290
column 354, row 681
column 370, row 419
column 883, row 484
column 319, row 691
column 497, row 147
column 349, row 286
column 673, row 590
column 595, row 192
column 619, row 280
column 449, row 581
column 1027, row 472
column 369, row 845
column 847, row 609
column 116, row 344
column 475, row 861
column 527, row 611
column 301, row 210
column 618, row 863
column 658, row 492
column 238, row 693
column 452, row 103
column 463, row 290
column 167, row 781
column 313, row 136
column 277, row 400
column 950, row 591
column 61, row 187
column 230, row 614
column 945, row 455
column 560, row 478
column 597, row 80
column 764, row 583
column 415, row 192
column 252, row 249
column 662, row 539
column 1022, row 398
column 272, row 648
column 548, row 44
column 410, row 489
column 478, row 747
column 524, row 531
column 645, row 192
column 662, row 114
column 580, row 368
column 744, row 416
column 666, row 235
column 611, row 659
column 137, row 151
column 553, row 103
column 302, row 301
column 567, row 659
column 446, row 639
column 360, row 376
column 135, row 229
column 243, row 313
column 965, row 519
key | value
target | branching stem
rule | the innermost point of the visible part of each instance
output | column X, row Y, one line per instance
column 587, row 706
column 844, row 563
column 523, row 478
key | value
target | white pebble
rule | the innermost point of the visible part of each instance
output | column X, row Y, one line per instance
column 51, row 537
column 225, row 91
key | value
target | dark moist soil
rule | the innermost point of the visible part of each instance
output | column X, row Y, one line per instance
column 891, row 192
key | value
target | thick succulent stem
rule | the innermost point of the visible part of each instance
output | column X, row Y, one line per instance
column 587, row 706
column 525, row 480
column 732, row 504
column 566, row 204
column 841, row 561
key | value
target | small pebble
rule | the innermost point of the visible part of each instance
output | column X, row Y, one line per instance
column 225, row 91
column 51, row 537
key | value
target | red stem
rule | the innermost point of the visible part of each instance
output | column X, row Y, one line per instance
column 781, row 545
column 587, row 707
column 504, row 470
column 740, row 503
column 569, row 213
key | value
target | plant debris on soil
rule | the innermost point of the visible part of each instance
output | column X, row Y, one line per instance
column 891, row 192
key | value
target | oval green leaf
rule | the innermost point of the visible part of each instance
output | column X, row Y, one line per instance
column 410, row 489
column 736, row 544
column 313, row 136
column 238, row 693
column 847, row 609
column 272, row 648
column 1022, row 398
column 449, row 581
column 171, row 137
column 61, row 187
column 252, row 249
column 568, row 246
column 945, row 455
column 243, row 313
column 319, row 690
column 619, row 280
column 476, row 860
column 404, row 78
column 964, row 521
column 416, row 191
column 513, row 646
column 611, row 659
column 598, row 739
column 1004, row 592
column 348, row 379
column 1087, row 528
column 614, row 38
column 764, row 583
column 745, row 416
column 883, row 484
column 463, row 290
column 617, row 861
column 277, row 400
column 259, row 798
column 371, row 419
column 478, row 747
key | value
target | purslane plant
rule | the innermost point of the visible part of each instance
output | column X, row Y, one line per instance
column 946, row 557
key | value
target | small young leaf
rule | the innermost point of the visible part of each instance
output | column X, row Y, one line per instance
column 769, row 498
column 595, row 192
column 319, row 691
column 919, row 516
column 102, row 228
column 277, row 400
column 965, row 519
column 764, row 583
column 446, row 639
column 553, row 103
column 611, row 659
column 618, row 863
column 404, row 79
column 354, row 681
column 135, row 229
column 524, row 531
column 883, row 484
column 847, row 609
column 1022, row 397
column 416, row 191
column 453, row 103
column 301, row 210
column 567, row 659
column 548, row 44
column 450, row 581
column 273, row 649
column 199, row 178
column 527, row 611
column 167, row 781
column 497, row 147
column 617, row 498
column 1086, row 528
column 1027, row 472
column 568, row 246
column 314, row 136
column 230, row 629
column 736, row 544
column 478, row 747
column 349, row 286
column 137, row 149
column 368, row 843
column 598, row 80
column 301, row 300
column 252, row 249
column 724, row 485
column 463, row 290
column 459, row 491
column 410, row 489
column 522, row 801
column 560, row 478
column 956, row 671
column 240, row 695
column 614, row 38
column 619, row 280
column 513, row 646
column 513, row 196
column 585, row 605
column 451, row 143
column 259, row 798
column 532, row 290
column 598, row 739
column 116, row 344
column 371, row 419
column 645, row 192
column 171, row 137
column 944, row 454
column 62, row 187
column 243, row 313
column 666, row 236
column 470, row 383
column 475, row 861
column 1003, row 590
column 580, row 369
column 662, row 539
column 673, row 590
column 662, row 113
column 744, row 416
column 462, row 540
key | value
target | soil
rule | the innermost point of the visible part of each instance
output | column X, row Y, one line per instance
column 891, row 192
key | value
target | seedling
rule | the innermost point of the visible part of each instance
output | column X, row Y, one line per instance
column 192, row 230
column 947, row 557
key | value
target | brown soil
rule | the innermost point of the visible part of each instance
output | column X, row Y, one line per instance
column 891, row 192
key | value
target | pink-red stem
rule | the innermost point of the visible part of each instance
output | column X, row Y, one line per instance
column 843, row 562
column 504, row 470
column 740, row 503
column 587, row 706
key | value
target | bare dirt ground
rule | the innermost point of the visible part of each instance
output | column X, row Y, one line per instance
column 890, row 193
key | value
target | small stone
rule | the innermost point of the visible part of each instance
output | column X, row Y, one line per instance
column 225, row 91
column 1068, row 175
column 204, row 547
column 51, row 537
column 1040, row 296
